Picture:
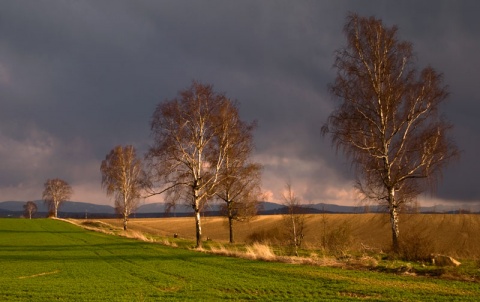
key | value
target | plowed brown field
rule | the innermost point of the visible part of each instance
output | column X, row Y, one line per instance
column 453, row 234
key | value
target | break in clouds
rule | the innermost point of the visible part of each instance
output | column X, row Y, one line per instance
column 78, row 78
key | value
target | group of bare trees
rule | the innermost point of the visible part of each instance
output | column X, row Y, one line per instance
column 387, row 123
column 201, row 151
column 56, row 191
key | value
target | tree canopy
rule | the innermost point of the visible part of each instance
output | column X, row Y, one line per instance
column 388, row 122
column 123, row 178
column 187, row 154
column 55, row 193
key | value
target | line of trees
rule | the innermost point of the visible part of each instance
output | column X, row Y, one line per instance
column 201, row 151
column 56, row 191
column 387, row 124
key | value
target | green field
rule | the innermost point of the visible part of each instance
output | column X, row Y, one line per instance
column 51, row 260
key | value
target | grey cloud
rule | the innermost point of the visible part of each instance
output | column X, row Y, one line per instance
column 88, row 75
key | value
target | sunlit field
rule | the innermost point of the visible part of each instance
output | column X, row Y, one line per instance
column 452, row 234
column 52, row 260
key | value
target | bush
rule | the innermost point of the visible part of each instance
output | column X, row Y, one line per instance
column 272, row 235
column 94, row 224
column 338, row 240
column 415, row 246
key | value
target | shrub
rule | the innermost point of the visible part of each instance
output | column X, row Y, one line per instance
column 338, row 240
column 415, row 246
column 272, row 235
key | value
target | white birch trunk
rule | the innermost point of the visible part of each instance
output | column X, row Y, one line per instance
column 198, row 227
column 393, row 219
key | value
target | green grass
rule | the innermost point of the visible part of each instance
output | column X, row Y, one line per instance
column 51, row 260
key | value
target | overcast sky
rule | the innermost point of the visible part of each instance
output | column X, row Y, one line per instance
column 79, row 77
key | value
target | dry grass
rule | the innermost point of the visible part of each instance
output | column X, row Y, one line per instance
column 264, row 252
column 451, row 234
column 136, row 235
column 258, row 251
column 94, row 225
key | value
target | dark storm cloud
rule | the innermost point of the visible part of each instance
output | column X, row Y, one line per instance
column 78, row 77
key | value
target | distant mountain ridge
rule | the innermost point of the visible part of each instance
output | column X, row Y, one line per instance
column 84, row 209
column 67, row 206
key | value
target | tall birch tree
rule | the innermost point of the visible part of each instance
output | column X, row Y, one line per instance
column 388, row 122
column 55, row 193
column 123, row 178
column 186, row 156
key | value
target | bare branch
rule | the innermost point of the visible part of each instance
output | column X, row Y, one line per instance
column 188, row 152
column 55, row 193
column 124, row 178
column 388, row 122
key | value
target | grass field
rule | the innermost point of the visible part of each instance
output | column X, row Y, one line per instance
column 454, row 235
column 51, row 260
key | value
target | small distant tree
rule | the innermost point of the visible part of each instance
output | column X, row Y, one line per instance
column 388, row 121
column 239, row 186
column 123, row 177
column 55, row 193
column 294, row 219
column 30, row 209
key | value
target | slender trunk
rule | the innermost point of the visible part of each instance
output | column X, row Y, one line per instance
column 393, row 219
column 294, row 234
column 125, row 212
column 56, row 208
column 124, row 222
column 230, row 221
column 198, row 227
column 395, row 231
column 324, row 235
column 30, row 214
column 196, row 208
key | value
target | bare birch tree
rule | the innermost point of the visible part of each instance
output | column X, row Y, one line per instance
column 240, row 178
column 186, row 156
column 30, row 209
column 55, row 193
column 388, row 122
column 123, row 177
column 294, row 219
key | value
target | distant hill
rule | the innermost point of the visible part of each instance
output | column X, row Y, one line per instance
column 67, row 209
column 15, row 206
column 333, row 208
column 213, row 208
column 158, row 207
column 81, row 209
column 67, row 206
